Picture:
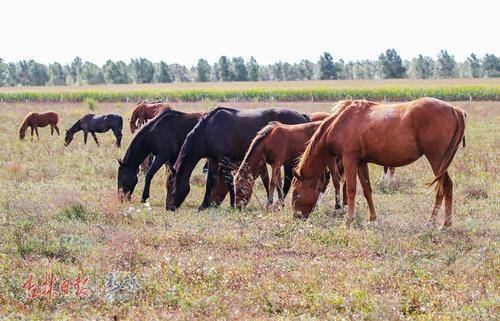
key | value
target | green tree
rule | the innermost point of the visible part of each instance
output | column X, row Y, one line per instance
column 143, row 70
column 226, row 73
column 446, row 65
column 277, row 71
column 162, row 73
column 491, row 66
column 290, row 71
column 240, row 70
column 92, row 74
column 253, row 69
column 57, row 76
column 472, row 67
column 327, row 68
column 391, row 65
column 180, row 72
column 306, row 70
column 203, row 70
column 422, row 67
column 4, row 73
column 116, row 72
column 75, row 71
column 12, row 76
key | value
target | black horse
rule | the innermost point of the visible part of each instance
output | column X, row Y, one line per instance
column 223, row 135
column 92, row 124
column 162, row 137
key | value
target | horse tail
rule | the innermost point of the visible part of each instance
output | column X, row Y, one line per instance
column 458, row 137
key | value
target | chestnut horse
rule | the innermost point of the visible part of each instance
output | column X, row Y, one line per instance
column 277, row 145
column 362, row 132
column 35, row 120
column 143, row 112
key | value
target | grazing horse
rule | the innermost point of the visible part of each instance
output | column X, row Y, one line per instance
column 92, row 124
column 362, row 132
column 143, row 112
column 223, row 135
column 278, row 144
column 35, row 120
column 162, row 137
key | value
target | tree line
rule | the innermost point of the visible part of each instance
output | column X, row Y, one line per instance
column 141, row 70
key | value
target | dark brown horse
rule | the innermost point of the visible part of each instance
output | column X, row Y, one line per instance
column 362, row 132
column 277, row 145
column 35, row 120
column 143, row 112
column 92, row 124
column 223, row 135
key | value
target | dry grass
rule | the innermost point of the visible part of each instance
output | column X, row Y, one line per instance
column 59, row 213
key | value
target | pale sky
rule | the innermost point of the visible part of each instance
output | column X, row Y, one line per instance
column 184, row 30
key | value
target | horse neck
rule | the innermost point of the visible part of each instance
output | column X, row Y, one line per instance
column 75, row 128
column 137, row 151
column 317, row 158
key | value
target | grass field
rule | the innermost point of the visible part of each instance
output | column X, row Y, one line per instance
column 476, row 89
column 59, row 214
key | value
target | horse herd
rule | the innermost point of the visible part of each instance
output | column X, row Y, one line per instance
column 312, row 149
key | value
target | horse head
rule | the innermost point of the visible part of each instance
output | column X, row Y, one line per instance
column 126, row 180
column 68, row 137
column 305, row 193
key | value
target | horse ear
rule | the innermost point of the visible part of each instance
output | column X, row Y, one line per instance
column 296, row 174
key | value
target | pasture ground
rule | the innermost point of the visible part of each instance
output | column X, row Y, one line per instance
column 59, row 214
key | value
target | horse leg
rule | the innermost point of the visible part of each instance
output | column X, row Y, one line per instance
column 118, row 136
column 95, row 138
column 226, row 167
column 264, row 176
column 350, row 170
column 279, row 187
column 435, row 164
column 51, row 130
column 32, row 130
column 392, row 177
column 157, row 164
column 57, row 130
column 36, row 132
column 212, row 168
column 85, row 134
column 275, row 177
column 364, row 178
column 448, row 199
column 334, row 173
column 288, row 169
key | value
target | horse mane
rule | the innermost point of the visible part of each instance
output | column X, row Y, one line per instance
column 146, row 129
column 25, row 120
column 259, row 138
column 189, row 145
column 325, row 125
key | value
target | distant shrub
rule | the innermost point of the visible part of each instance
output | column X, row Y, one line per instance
column 91, row 103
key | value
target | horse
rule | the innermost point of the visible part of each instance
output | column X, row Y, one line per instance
column 277, row 145
column 92, row 124
column 35, row 120
column 143, row 112
column 162, row 137
column 223, row 135
column 394, row 135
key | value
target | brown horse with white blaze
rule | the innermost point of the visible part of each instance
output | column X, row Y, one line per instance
column 35, row 120
column 143, row 112
column 277, row 145
column 362, row 132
